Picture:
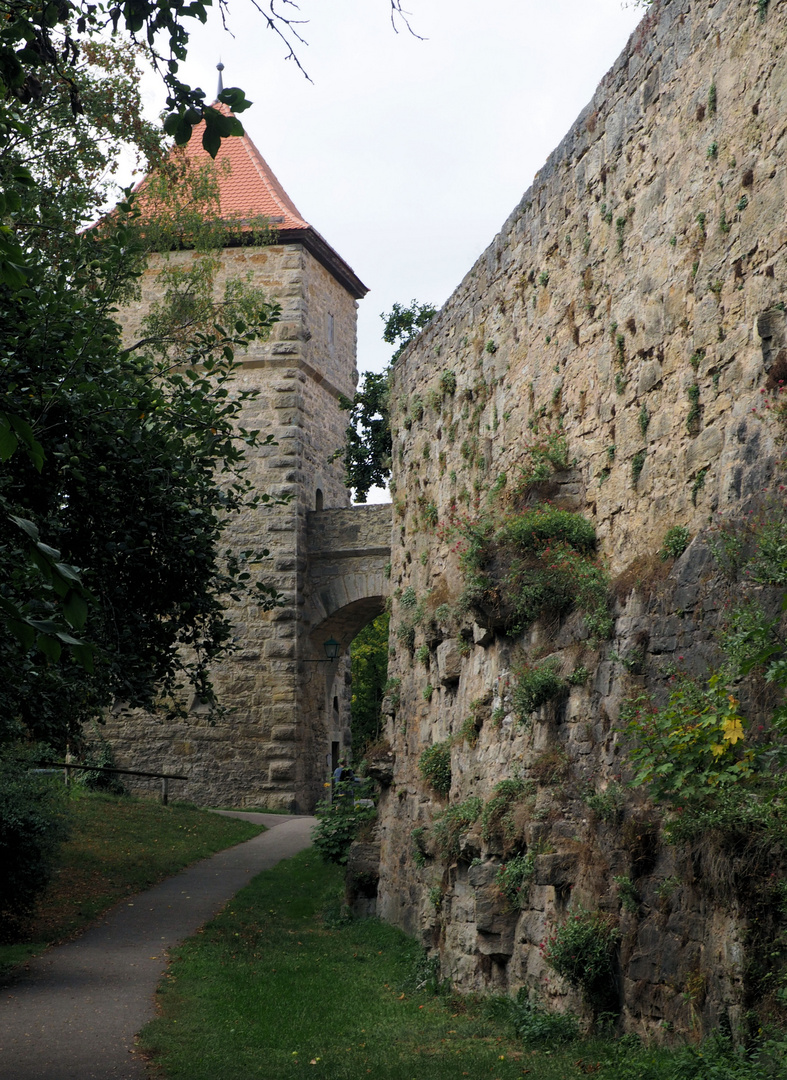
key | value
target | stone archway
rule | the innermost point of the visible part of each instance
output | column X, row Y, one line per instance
column 348, row 551
column 346, row 587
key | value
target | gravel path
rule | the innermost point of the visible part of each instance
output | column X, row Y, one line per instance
column 74, row 1013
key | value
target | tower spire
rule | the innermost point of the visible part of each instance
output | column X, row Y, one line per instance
column 220, row 68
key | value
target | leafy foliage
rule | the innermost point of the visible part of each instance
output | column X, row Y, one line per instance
column 435, row 766
column 536, row 685
column 369, row 665
column 497, row 814
column 581, row 950
column 33, row 823
column 515, row 877
column 700, row 743
column 451, row 825
column 544, row 455
column 367, row 449
column 520, row 566
column 339, row 823
column 608, row 805
column 676, row 540
column 692, row 746
column 403, row 324
column 544, row 525
column 532, row 1023
column 124, row 461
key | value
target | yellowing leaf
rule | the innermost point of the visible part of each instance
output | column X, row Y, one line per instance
column 732, row 729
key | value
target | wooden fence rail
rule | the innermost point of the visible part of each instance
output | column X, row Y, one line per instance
column 164, row 777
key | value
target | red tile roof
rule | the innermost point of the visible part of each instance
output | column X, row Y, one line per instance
column 248, row 188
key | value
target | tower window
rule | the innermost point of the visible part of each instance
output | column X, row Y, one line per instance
column 318, row 499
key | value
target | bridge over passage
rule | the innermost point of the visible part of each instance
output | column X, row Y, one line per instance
column 349, row 554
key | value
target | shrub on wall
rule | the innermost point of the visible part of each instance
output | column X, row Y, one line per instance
column 536, row 684
column 692, row 747
column 515, row 877
column 519, row 566
column 452, row 825
column 582, row 951
column 435, row 766
column 676, row 540
column 545, row 526
column 498, row 817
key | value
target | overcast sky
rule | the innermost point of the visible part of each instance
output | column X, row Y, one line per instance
column 409, row 155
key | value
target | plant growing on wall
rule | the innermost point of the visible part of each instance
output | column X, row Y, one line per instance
column 675, row 542
column 535, row 685
column 339, row 823
column 543, row 456
column 582, row 951
column 497, row 816
column 518, row 566
column 637, row 465
column 447, row 382
column 435, row 766
column 452, row 824
column 693, row 746
column 515, row 877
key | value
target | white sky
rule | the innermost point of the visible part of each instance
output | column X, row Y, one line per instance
column 409, row 155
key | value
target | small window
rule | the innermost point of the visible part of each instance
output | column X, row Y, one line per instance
column 335, row 704
column 330, row 329
column 318, row 499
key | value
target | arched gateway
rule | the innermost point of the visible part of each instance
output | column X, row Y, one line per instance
column 288, row 708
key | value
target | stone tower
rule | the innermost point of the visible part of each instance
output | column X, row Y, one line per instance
column 289, row 715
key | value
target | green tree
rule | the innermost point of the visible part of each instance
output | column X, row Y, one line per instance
column 369, row 665
column 367, row 448
column 402, row 324
column 126, row 462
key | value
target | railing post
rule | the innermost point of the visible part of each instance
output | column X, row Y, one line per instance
column 165, row 790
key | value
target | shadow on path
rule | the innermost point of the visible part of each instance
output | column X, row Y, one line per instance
column 74, row 1014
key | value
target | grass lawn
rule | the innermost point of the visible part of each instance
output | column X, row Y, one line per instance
column 278, row 987
column 119, row 846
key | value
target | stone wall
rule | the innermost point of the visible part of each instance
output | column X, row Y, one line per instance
column 273, row 747
column 635, row 296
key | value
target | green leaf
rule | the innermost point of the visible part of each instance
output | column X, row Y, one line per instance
column 75, row 610
column 83, row 654
column 8, row 441
column 211, row 141
column 25, row 435
column 26, row 526
column 49, row 646
column 67, row 572
column 235, row 98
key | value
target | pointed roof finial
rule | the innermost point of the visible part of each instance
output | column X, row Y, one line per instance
column 220, row 68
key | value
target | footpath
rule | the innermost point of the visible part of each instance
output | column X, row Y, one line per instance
column 74, row 1012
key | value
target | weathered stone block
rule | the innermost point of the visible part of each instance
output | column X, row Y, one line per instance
column 449, row 662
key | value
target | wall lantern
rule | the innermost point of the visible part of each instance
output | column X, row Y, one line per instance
column 332, row 649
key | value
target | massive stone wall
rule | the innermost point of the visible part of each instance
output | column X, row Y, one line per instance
column 636, row 297
column 273, row 748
